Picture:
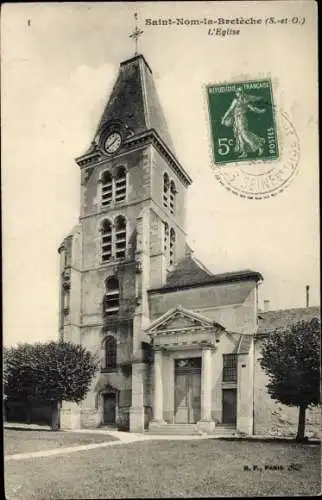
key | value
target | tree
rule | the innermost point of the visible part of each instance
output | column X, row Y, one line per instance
column 291, row 359
column 52, row 371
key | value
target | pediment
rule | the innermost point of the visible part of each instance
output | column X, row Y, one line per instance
column 180, row 319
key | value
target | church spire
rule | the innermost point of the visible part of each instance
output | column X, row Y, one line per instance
column 136, row 34
column 133, row 110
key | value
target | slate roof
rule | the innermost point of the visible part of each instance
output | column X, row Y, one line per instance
column 190, row 273
column 134, row 101
column 281, row 319
column 187, row 271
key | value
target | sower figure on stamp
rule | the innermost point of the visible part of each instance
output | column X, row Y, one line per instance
column 236, row 116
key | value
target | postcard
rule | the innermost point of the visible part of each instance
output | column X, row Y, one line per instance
column 161, row 249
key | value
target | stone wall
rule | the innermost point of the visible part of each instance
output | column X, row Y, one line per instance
column 89, row 418
column 213, row 301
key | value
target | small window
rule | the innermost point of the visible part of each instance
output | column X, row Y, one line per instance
column 166, row 185
column 106, row 240
column 229, row 367
column 107, row 189
column 172, row 246
column 112, row 296
column 110, row 353
column 172, row 197
column 120, row 185
column 120, row 237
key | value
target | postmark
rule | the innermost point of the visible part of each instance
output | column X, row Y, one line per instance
column 255, row 147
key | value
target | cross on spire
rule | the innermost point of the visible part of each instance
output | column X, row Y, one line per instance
column 136, row 34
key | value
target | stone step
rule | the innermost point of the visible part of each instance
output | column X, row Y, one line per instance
column 225, row 430
column 190, row 429
column 175, row 429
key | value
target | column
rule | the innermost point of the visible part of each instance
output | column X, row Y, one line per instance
column 206, row 423
column 158, row 387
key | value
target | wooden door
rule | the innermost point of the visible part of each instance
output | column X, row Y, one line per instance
column 188, row 391
column 194, row 397
column 181, row 398
column 109, row 408
column 229, row 406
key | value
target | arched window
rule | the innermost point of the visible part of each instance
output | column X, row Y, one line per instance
column 110, row 352
column 120, row 185
column 107, row 189
column 172, row 246
column 106, row 240
column 112, row 296
column 172, row 197
column 120, row 237
column 166, row 184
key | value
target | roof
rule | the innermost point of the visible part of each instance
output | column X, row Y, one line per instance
column 134, row 101
column 283, row 318
column 190, row 273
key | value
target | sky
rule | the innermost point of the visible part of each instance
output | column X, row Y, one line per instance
column 59, row 62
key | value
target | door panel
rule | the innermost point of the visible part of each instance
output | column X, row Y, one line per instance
column 109, row 408
column 229, row 406
column 187, row 398
column 181, row 399
column 194, row 397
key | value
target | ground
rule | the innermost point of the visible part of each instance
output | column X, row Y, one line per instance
column 25, row 441
column 166, row 468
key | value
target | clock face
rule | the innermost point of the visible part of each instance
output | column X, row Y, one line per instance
column 113, row 142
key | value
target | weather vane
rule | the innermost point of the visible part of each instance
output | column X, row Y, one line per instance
column 136, row 34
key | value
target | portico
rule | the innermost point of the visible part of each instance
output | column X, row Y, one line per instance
column 184, row 344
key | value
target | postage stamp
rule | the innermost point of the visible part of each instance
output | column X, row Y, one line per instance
column 254, row 147
column 242, row 121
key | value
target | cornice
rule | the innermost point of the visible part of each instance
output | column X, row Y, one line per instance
column 148, row 137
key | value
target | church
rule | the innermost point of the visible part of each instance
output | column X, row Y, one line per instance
column 178, row 345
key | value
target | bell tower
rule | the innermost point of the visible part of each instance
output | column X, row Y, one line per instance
column 131, row 233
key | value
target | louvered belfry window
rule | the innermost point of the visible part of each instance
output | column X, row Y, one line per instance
column 120, row 185
column 107, row 189
column 113, row 188
column 229, row 367
column 113, row 239
column 106, row 240
column 112, row 296
column 172, row 246
column 172, row 197
column 120, row 237
column 166, row 237
column 166, row 186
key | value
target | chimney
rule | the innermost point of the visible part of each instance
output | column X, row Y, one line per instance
column 266, row 305
column 307, row 295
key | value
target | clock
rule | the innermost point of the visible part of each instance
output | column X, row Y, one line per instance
column 113, row 142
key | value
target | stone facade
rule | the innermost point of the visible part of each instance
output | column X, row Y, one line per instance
column 177, row 344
